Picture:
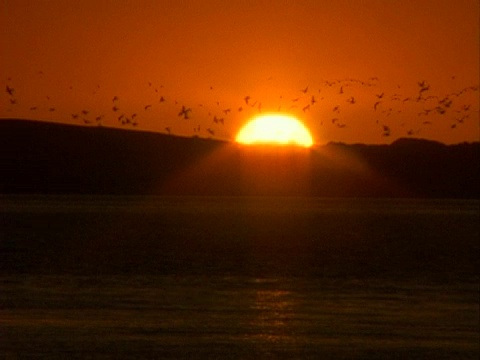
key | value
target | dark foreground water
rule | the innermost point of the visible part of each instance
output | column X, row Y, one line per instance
column 133, row 277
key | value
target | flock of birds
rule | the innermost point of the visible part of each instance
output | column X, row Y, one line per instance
column 338, row 94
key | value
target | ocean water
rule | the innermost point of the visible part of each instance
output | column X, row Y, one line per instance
column 238, row 278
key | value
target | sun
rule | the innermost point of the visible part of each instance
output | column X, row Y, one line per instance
column 275, row 129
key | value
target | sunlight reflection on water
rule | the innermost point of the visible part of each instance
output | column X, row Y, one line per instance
column 239, row 278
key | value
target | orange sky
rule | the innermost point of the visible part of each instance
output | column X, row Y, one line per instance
column 62, row 57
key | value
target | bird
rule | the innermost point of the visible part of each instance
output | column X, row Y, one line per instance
column 33, row 108
column 313, row 101
column 351, row 100
column 115, row 98
column 376, row 104
column 423, row 87
column 74, row 116
column 10, row 90
column 218, row 120
column 226, row 111
column 306, row 107
column 147, row 107
column 380, row 95
column 85, row 112
column 168, row 130
column 246, row 98
column 210, row 131
column 52, row 109
column 304, row 90
column 185, row 112
column 162, row 99
column 421, row 83
column 115, row 108
column 336, row 109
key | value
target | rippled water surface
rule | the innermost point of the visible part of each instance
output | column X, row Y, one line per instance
column 135, row 277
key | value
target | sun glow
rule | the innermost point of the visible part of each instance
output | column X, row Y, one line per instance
column 275, row 129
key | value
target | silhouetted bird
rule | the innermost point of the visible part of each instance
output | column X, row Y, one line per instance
column 246, row 98
column 168, row 130
column 162, row 99
column 305, row 90
column 115, row 108
column 147, row 107
column 306, row 107
column 185, row 112
column 218, row 120
column 313, row 101
column 376, row 104
column 386, row 130
column 85, row 112
column 115, row 98
column 380, row 95
column 10, row 90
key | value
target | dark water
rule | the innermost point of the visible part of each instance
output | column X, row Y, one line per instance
column 132, row 277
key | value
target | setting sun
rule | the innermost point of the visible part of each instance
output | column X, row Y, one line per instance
column 275, row 129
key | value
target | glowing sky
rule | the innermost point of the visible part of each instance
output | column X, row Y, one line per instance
column 326, row 62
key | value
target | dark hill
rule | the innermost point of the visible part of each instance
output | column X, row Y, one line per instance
column 39, row 157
